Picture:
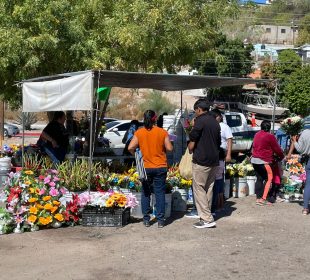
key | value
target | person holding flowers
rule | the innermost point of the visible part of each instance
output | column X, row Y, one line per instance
column 302, row 145
column 265, row 149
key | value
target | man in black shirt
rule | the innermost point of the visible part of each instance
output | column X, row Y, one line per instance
column 205, row 142
column 55, row 139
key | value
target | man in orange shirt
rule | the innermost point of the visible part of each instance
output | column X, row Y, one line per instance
column 154, row 143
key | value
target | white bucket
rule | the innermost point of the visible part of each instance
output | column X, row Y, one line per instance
column 5, row 163
column 137, row 211
column 234, row 186
column 179, row 200
column 168, row 198
column 243, row 188
column 227, row 188
column 251, row 184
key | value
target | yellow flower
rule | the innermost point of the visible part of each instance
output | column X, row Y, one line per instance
column 32, row 219
column 54, row 209
column 59, row 217
column 29, row 172
column 28, row 183
column 45, row 221
column 55, row 202
column 46, row 198
column 122, row 203
column 32, row 199
column 33, row 210
column 39, row 206
column 109, row 202
column 31, row 190
column 48, row 206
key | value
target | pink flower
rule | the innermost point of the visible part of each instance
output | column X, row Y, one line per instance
column 56, row 179
column 42, row 191
column 41, row 177
column 47, row 180
column 84, row 198
column 54, row 192
column 54, row 171
column 63, row 190
column 52, row 184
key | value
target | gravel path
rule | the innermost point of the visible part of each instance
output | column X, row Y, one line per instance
column 249, row 242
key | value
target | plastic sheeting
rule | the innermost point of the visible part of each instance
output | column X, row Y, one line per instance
column 66, row 94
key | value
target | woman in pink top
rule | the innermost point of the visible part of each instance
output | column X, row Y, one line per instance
column 265, row 150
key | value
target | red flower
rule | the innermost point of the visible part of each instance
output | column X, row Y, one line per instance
column 289, row 121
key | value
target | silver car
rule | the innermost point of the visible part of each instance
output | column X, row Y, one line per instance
column 10, row 130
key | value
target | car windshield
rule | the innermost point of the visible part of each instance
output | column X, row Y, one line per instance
column 111, row 124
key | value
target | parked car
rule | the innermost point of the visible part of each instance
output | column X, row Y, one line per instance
column 10, row 130
column 116, row 131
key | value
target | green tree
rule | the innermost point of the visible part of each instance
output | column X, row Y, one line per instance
column 157, row 102
column 46, row 37
column 304, row 31
column 297, row 91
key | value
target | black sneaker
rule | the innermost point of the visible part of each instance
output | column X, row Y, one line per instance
column 161, row 225
column 146, row 223
column 204, row 224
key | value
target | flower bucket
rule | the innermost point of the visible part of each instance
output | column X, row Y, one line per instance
column 243, row 188
column 5, row 164
column 137, row 211
column 235, row 184
column 227, row 187
column 251, row 184
column 179, row 200
column 190, row 196
column 168, row 199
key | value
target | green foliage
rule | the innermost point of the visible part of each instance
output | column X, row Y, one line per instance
column 29, row 119
column 304, row 31
column 297, row 91
column 46, row 37
column 157, row 102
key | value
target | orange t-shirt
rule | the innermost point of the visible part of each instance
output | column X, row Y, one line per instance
column 152, row 146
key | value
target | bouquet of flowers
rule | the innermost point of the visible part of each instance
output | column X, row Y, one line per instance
column 292, row 125
column 173, row 178
column 297, row 173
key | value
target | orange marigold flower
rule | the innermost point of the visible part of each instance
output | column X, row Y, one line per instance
column 31, row 190
column 122, row 204
column 45, row 221
column 39, row 206
column 48, row 206
column 32, row 218
column 46, row 198
column 33, row 210
column 59, row 217
column 55, row 202
column 54, row 209
column 109, row 202
column 32, row 199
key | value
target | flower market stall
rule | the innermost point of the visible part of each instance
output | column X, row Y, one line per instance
column 39, row 197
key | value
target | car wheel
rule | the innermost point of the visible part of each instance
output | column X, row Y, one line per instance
column 5, row 133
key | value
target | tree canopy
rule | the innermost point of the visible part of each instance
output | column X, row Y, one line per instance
column 44, row 37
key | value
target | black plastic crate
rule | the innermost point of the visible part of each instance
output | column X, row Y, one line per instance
column 105, row 217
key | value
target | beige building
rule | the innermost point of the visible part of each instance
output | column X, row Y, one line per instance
column 278, row 34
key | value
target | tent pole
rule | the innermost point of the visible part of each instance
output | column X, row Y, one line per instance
column 182, row 139
column 90, row 158
column 274, row 107
column 23, row 138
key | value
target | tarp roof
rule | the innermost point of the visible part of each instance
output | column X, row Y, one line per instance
column 164, row 82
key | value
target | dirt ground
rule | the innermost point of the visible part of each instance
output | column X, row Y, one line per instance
column 249, row 242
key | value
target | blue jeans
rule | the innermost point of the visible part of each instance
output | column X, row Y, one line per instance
column 155, row 183
column 307, row 187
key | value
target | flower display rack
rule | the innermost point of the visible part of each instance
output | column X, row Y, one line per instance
column 105, row 217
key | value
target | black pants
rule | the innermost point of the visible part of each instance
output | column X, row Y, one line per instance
column 263, row 182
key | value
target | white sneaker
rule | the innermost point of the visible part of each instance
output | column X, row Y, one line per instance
column 192, row 214
column 204, row 224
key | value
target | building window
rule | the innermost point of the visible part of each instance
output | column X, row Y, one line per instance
column 283, row 31
column 268, row 30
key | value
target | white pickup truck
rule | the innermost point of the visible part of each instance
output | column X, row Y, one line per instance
column 243, row 133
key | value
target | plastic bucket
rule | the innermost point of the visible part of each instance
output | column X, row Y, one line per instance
column 243, row 188
column 227, row 188
column 168, row 199
column 137, row 211
column 179, row 200
column 251, row 184
column 5, row 164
